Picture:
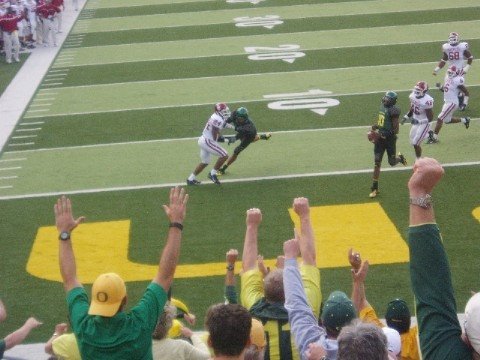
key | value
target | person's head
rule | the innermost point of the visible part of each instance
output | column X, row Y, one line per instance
column 472, row 322
column 164, row 322
column 452, row 71
column 256, row 349
column 222, row 110
column 273, row 286
column 390, row 98
column 394, row 341
column 229, row 328
column 337, row 312
column 241, row 114
column 360, row 341
column 398, row 316
column 420, row 89
column 453, row 38
column 109, row 295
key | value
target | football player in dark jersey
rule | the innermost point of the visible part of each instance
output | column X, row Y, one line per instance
column 387, row 127
column 246, row 133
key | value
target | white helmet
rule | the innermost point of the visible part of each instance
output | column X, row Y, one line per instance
column 222, row 110
column 453, row 38
column 452, row 71
column 420, row 89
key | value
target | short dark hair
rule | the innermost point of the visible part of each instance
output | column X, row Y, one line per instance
column 360, row 340
column 273, row 286
column 229, row 327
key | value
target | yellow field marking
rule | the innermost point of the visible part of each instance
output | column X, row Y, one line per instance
column 476, row 213
column 103, row 246
column 364, row 227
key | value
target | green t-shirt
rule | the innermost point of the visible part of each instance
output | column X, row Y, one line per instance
column 438, row 326
column 123, row 336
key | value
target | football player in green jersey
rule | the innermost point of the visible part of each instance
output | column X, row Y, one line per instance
column 246, row 133
column 387, row 128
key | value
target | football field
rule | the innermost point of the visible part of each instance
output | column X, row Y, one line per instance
column 115, row 121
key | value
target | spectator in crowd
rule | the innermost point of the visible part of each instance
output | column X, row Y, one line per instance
column 101, row 327
column 246, row 133
column 15, row 338
column 166, row 348
column 209, row 144
column 256, row 349
column 456, row 53
column 454, row 84
column 385, row 132
column 9, row 25
column 361, row 341
column 229, row 328
column 439, row 329
column 265, row 298
column 394, row 342
column 63, row 345
column 338, row 310
column 420, row 115
column 397, row 315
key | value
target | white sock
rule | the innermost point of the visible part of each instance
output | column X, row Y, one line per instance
column 213, row 172
column 191, row 177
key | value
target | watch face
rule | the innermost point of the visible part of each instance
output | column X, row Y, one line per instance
column 64, row 235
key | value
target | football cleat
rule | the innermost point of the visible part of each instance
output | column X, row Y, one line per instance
column 193, row 182
column 374, row 193
column 431, row 138
column 214, row 179
column 467, row 122
column 266, row 136
column 402, row 159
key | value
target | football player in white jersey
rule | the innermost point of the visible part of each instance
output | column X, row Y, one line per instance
column 419, row 115
column 456, row 53
column 454, row 83
column 209, row 144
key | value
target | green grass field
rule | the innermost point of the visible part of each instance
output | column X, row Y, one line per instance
column 115, row 124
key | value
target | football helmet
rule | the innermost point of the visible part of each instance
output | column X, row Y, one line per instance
column 390, row 98
column 222, row 110
column 241, row 112
column 452, row 71
column 420, row 89
column 453, row 38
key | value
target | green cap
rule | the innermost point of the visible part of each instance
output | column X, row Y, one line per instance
column 337, row 311
column 398, row 315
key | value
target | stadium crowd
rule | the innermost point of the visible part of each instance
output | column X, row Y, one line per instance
column 280, row 314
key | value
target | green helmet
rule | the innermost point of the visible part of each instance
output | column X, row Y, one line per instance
column 241, row 112
column 390, row 98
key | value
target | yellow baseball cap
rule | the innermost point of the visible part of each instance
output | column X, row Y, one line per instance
column 108, row 291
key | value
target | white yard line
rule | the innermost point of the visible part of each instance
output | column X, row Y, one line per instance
column 252, row 179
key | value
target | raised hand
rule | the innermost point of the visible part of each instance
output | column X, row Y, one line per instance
column 177, row 208
column 64, row 219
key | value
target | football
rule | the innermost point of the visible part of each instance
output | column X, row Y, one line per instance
column 373, row 136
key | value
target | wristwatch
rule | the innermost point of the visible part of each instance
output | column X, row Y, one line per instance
column 230, row 267
column 64, row 236
column 424, row 202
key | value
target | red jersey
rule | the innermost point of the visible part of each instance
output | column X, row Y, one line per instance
column 8, row 22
